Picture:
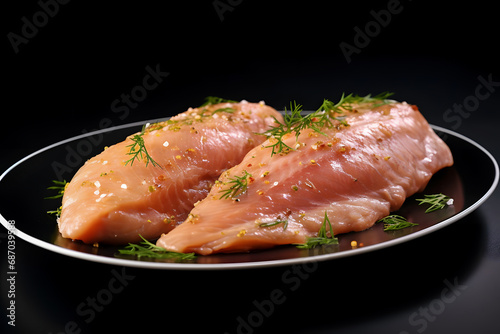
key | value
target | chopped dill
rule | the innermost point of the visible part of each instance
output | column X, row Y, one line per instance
column 436, row 201
column 238, row 185
column 322, row 238
column 275, row 223
column 148, row 249
column 60, row 186
column 291, row 122
column 209, row 100
column 395, row 222
column 328, row 115
column 56, row 212
column 228, row 110
column 138, row 149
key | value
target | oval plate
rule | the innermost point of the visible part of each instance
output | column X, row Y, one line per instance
column 27, row 180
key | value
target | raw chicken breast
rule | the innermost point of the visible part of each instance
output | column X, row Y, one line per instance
column 357, row 174
column 110, row 202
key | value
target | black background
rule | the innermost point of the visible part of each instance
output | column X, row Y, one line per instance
column 63, row 81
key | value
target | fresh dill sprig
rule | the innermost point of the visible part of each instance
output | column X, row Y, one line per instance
column 346, row 101
column 275, row 223
column 395, row 222
column 148, row 249
column 60, row 186
column 322, row 238
column 328, row 115
column 209, row 100
column 228, row 110
column 138, row 150
column 277, row 132
column 56, row 212
column 436, row 201
column 238, row 185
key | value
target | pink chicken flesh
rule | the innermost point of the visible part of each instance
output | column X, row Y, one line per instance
column 110, row 202
column 357, row 174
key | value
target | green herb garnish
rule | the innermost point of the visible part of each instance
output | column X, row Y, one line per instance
column 228, row 110
column 138, row 150
column 238, row 185
column 56, row 212
column 148, row 249
column 436, row 201
column 346, row 102
column 322, row 238
column 395, row 222
column 328, row 115
column 291, row 123
column 209, row 100
column 274, row 223
column 60, row 186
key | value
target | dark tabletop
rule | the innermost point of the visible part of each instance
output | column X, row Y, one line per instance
column 76, row 67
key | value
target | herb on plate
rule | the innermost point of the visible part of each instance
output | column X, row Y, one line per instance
column 322, row 238
column 395, row 222
column 436, row 201
column 56, row 212
column 60, row 186
column 148, row 249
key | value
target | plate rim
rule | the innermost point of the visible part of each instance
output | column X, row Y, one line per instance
column 239, row 265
